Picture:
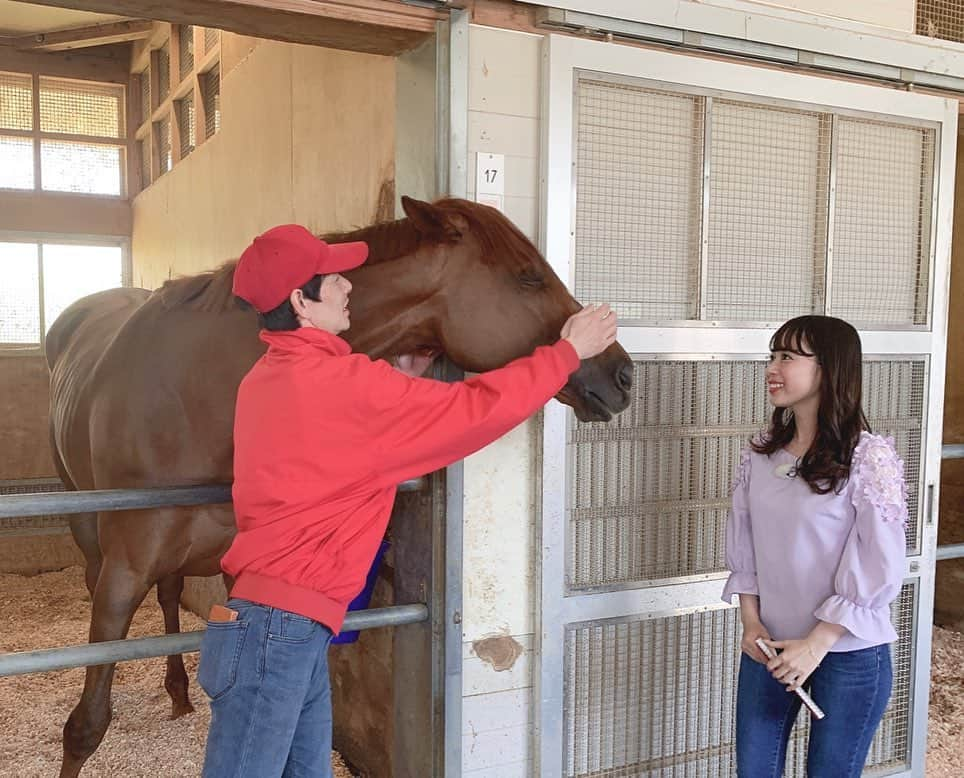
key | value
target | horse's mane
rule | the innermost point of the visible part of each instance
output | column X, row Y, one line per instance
column 500, row 241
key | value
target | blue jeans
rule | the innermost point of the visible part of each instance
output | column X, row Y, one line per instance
column 267, row 677
column 852, row 687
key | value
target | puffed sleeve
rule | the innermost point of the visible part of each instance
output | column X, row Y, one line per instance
column 740, row 557
column 872, row 566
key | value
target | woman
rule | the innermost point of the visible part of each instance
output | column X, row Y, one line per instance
column 816, row 545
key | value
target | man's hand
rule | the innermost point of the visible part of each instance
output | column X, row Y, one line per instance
column 591, row 331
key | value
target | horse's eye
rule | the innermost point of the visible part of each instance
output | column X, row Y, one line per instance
column 532, row 280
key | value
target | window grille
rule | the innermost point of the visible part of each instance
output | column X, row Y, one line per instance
column 211, row 93
column 185, row 125
column 940, row 19
column 185, row 39
column 163, row 72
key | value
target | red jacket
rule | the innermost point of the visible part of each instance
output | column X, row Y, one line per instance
column 321, row 439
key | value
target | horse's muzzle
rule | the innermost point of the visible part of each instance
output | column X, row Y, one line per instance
column 601, row 387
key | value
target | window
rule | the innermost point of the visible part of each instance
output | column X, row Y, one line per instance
column 40, row 279
column 59, row 135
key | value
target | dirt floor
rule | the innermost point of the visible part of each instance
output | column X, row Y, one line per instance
column 143, row 741
column 53, row 610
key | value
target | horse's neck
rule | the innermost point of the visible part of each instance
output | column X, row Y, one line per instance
column 394, row 306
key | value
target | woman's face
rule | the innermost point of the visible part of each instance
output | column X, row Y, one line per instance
column 793, row 380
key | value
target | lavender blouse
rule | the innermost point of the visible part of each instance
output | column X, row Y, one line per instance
column 831, row 557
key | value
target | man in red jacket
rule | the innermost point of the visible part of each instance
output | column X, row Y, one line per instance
column 321, row 439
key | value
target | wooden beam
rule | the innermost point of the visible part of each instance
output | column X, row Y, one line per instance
column 372, row 26
column 110, row 63
column 85, row 37
column 55, row 212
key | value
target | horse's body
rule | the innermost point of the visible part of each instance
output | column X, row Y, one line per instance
column 143, row 389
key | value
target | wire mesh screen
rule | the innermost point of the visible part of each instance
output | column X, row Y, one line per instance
column 162, row 136
column 768, row 212
column 638, row 170
column 882, row 230
column 81, row 167
column 940, row 19
column 211, row 38
column 144, row 83
column 16, row 102
column 32, row 525
column 163, row 62
column 652, row 697
column 78, row 108
column 211, row 94
column 19, row 293
column 144, row 161
column 185, row 50
column 185, row 125
column 649, row 492
column 16, row 163
column 657, row 697
column 701, row 207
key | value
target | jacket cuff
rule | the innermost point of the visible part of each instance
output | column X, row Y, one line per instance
column 869, row 624
column 740, row 583
column 568, row 353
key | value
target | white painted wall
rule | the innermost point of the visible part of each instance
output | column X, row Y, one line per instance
column 499, row 589
column 893, row 14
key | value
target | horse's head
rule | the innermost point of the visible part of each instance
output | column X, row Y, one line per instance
column 480, row 292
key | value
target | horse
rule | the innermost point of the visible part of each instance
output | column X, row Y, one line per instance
column 143, row 387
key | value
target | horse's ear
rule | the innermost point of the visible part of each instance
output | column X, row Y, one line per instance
column 430, row 221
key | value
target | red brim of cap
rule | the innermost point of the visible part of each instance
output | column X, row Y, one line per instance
column 344, row 256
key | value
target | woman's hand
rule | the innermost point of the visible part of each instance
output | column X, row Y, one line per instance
column 753, row 629
column 796, row 661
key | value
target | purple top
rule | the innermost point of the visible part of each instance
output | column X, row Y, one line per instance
column 831, row 557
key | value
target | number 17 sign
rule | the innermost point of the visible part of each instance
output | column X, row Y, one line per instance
column 490, row 179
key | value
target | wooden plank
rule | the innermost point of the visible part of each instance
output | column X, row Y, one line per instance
column 84, row 37
column 371, row 26
column 50, row 212
column 110, row 64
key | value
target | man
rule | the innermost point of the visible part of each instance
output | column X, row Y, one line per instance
column 322, row 437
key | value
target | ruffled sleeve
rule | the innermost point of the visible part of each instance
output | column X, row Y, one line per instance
column 740, row 556
column 871, row 569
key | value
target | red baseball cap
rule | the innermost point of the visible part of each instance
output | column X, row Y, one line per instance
column 286, row 258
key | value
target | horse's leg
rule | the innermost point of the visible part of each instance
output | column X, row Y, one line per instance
column 83, row 527
column 169, row 591
column 118, row 593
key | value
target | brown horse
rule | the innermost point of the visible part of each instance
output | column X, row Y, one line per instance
column 143, row 389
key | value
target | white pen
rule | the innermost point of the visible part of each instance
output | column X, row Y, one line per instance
column 801, row 693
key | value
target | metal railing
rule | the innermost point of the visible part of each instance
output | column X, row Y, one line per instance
column 108, row 652
column 951, row 550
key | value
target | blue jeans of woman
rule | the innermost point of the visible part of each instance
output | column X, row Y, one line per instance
column 267, row 677
column 852, row 688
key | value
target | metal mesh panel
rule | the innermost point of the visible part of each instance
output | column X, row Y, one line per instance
column 767, row 218
column 19, row 294
column 653, row 698
column 657, row 697
column 890, row 749
column 163, row 72
column 882, row 222
column 81, row 108
column 211, row 37
column 649, row 492
column 185, row 125
column 81, row 167
column 32, row 525
column 893, row 394
column 211, row 94
column 144, row 160
column 16, row 102
column 638, row 171
column 162, row 136
column 144, row 80
column 185, row 50
column 940, row 19
column 16, row 163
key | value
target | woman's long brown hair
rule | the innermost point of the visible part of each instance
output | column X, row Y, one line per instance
column 840, row 417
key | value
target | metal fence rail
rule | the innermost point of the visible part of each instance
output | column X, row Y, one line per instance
column 42, row 504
